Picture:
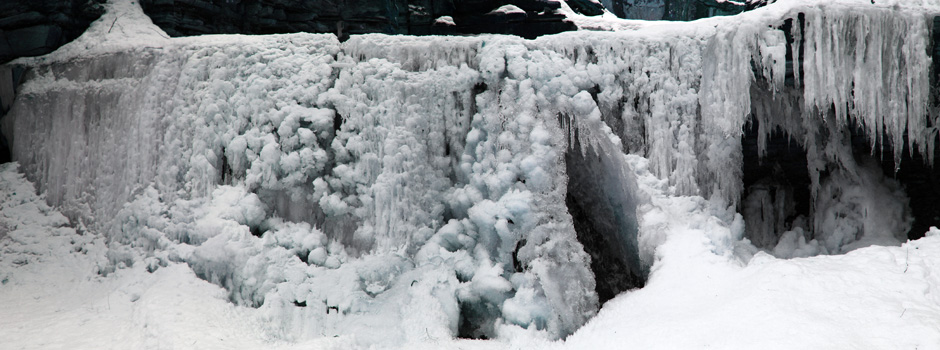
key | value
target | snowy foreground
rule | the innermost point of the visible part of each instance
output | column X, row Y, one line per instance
column 292, row 191
column 870, row 298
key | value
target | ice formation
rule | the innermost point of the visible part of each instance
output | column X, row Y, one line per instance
column 419, row 184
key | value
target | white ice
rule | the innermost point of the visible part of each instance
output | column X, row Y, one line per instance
column 294, row 188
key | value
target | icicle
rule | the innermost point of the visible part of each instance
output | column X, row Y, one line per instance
column 795, row 49
column 725, row 102
column 871, row 67
column 772, row 48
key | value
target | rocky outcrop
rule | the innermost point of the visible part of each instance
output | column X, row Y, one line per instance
column 679, row 10
column 526, row 18
column 31, row 28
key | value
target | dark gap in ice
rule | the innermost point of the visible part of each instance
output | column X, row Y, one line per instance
column 516, row 264
column 337, row 121
column 604, row 216
column 4, row 150
column 594, row 91
column 788, row 30
column 776, row 186
column 477, row 320
column 784, row 170
column 303, row 255
column 921, row 182
column 226, row 175
column 10, row 78
column 478, row 89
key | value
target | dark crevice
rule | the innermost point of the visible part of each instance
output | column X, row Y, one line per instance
column 10, row 78
column 227, row 173
column 304, row 255
column 788, row 30
column 337, row 121
column 780, row 177
column 255, row 231
column 921, row 181
column 604, row 215
column 5, row 156
column 784, row 167
column 476, row 320
column 516, row 264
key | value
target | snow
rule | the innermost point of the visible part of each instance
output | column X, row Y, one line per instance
column 395, row 192
column 445, row 20
column 697, row 296
column 877, row 297
column 508, row 9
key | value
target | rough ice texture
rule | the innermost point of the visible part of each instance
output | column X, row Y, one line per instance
column 417, row 185
column 861, row 70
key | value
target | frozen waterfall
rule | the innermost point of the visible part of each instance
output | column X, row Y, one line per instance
column 456, row 186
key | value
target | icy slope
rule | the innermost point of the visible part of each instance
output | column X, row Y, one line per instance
column 418, row 186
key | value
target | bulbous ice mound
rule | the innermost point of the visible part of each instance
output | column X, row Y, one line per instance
column 400, row 188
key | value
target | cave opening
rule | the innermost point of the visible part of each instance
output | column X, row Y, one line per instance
column 476, row 320
column 871, row 200
column 603, row 209
column 920, row 180
column 776, row 195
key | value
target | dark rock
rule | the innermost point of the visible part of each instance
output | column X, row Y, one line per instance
column 345, row 17
column 679, row 10
column 17, row 21
column 586, row 7
column 30, row 27
column 10, row 76
column 35, row 40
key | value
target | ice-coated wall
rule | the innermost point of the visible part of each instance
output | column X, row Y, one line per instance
column 418, row 185
column 865, row 75
column 371, row 177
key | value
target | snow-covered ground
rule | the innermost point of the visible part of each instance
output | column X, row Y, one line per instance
column 52, row 297
column 207, row 139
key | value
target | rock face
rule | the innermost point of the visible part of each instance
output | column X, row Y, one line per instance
column 679, row 10
column 526, row 18
column 31, row 28
column 9, row 79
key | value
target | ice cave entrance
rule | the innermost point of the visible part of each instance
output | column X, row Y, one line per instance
column 603, row 208
column 776, row 196
column 861, row 196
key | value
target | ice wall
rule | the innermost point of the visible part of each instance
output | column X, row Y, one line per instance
column 418, row 185
column 357, row 172
column 861, row 72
